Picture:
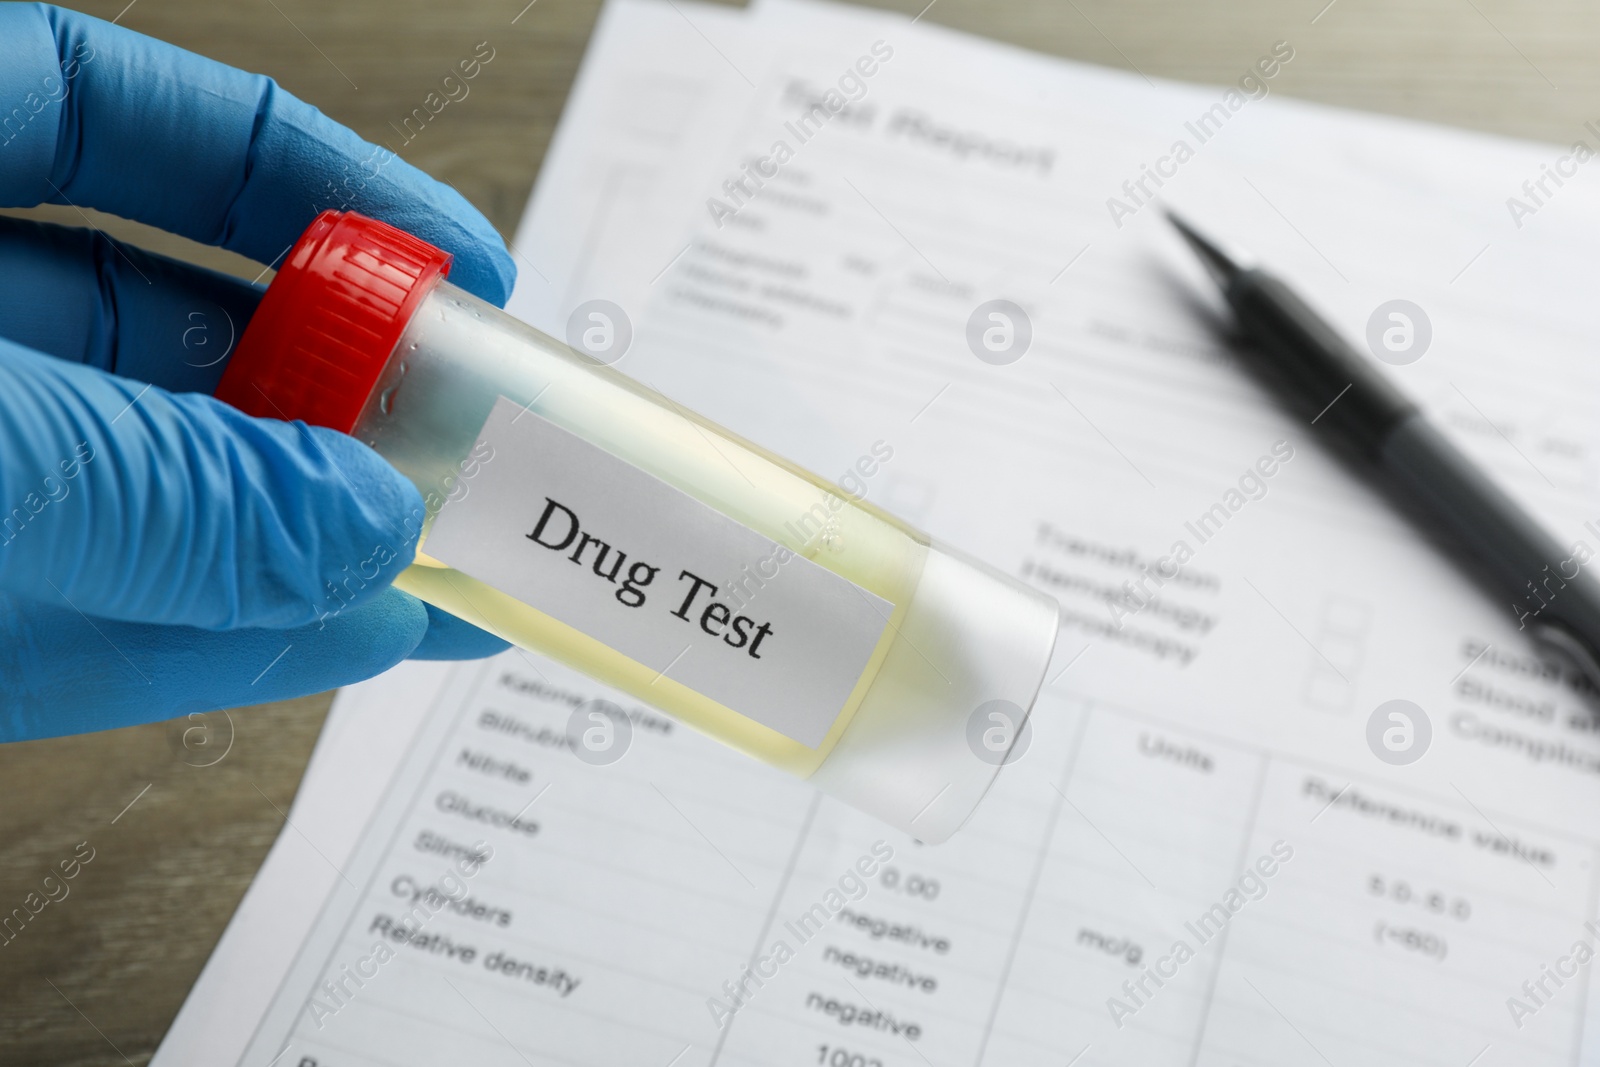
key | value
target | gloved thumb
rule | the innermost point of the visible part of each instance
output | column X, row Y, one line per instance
column 124, row 501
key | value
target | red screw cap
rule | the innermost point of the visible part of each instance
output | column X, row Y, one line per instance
column 330, row 320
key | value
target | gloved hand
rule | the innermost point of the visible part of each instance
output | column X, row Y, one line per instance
column 161, row 553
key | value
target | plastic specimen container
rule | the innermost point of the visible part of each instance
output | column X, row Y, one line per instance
column 582, row 516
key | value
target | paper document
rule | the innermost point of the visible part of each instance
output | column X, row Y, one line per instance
column 1295, row 792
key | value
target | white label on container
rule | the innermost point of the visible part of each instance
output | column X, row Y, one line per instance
column 570, row 529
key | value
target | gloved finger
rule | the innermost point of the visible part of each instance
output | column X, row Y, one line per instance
column 450, row 637
column 111, row 119
column 68, row 673
column 79, row 295
column 76, row 294
column 128, row 502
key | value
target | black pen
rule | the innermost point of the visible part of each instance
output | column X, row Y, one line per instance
column 1321, row 377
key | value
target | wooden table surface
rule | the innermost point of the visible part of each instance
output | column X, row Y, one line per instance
column 97, row 977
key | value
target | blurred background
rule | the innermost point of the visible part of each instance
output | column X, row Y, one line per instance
column 208, row 795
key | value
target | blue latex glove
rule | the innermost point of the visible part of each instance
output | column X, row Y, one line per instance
column 161, row 553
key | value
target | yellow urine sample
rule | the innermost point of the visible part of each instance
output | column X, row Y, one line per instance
column 433, row 417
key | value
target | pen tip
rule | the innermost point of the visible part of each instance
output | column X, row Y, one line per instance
column 1221, row 266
